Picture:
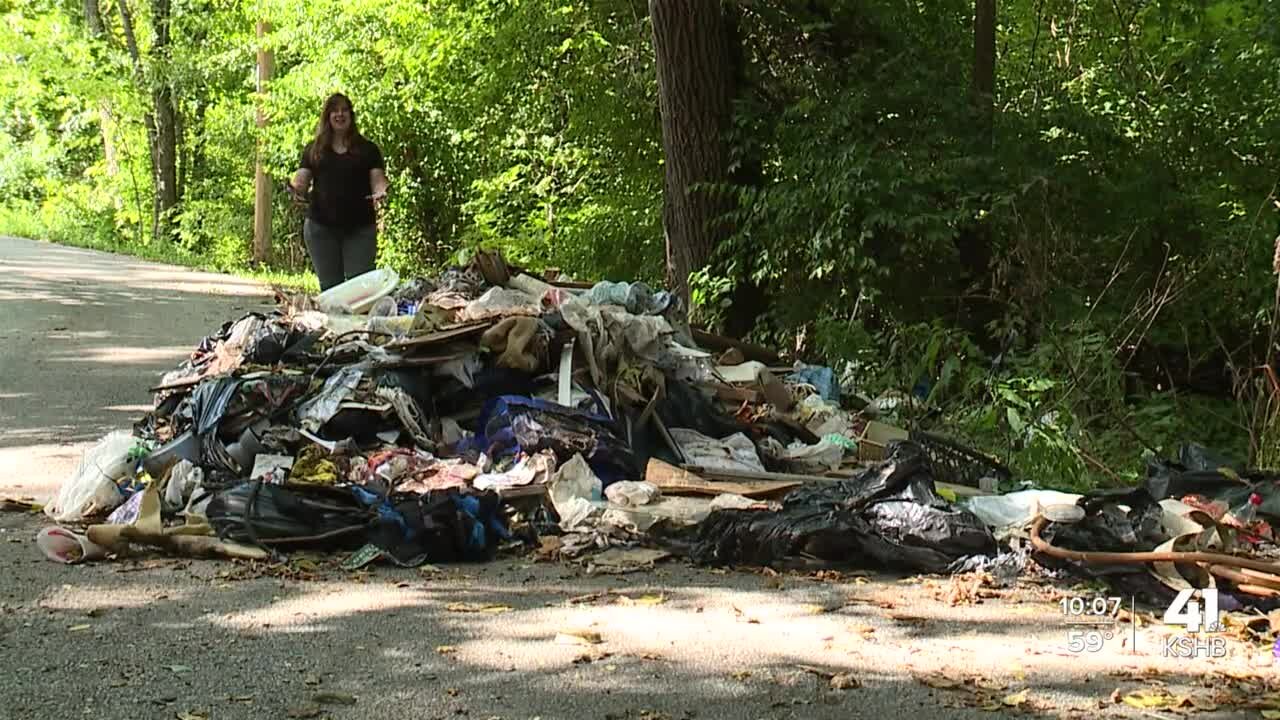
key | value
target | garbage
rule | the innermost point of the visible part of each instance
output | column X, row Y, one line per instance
column 91, row 489
column 494, row 409
column 64, row 546
column 361, row 293
column 735, row 452
column 890, row 515
column 631, row 494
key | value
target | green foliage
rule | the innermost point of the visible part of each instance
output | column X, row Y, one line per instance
column 1031, row 278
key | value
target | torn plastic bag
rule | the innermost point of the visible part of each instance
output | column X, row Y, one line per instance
column 891, row 515
column 318, row 410
column 92, row 488
column 1198, row 472
column 289, row 516
column 209, row 403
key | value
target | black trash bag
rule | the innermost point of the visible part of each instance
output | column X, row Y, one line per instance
column 891, row 515
column 1107, row 527
column 1198, row 472
column 277, row 341
column 210, row 401
column 290, row 516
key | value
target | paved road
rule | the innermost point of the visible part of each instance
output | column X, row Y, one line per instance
column 83, row 334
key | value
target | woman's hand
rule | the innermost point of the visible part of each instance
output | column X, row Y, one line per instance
column 299, row 198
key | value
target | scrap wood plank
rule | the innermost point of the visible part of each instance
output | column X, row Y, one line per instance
column 673, row 480
column 741, row 475
column 451, row 332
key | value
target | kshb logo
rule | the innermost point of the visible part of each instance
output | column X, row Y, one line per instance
column 1187, row 612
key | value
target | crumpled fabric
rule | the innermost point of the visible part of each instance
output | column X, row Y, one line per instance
column 313, row 468
column 535, row 468
column 609, row 334
column 440, row 475
column 519, row 343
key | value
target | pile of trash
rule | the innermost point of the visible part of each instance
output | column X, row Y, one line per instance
column 449, row 418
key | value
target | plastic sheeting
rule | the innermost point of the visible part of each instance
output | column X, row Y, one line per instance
column 891, row 516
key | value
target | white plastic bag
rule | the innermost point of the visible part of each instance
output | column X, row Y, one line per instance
column 92, row 488
column 631, row 494
column 63, row 546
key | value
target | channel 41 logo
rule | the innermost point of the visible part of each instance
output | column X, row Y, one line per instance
column 1187, row 613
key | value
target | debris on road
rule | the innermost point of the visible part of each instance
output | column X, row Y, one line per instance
column 448, row 419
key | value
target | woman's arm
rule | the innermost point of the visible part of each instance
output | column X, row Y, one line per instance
column 301, row 181
column 378, row 183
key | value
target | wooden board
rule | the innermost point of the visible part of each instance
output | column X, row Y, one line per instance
column 439, row 336
column 672, row 480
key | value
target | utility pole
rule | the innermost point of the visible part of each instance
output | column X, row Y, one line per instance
column 262, row 191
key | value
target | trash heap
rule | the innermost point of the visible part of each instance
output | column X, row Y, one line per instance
column 443, row 419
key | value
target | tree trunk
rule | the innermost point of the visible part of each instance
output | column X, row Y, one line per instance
column 166, row 121
column 262, row 182
column 93, row 18
column 691, row 41
column 140, row 78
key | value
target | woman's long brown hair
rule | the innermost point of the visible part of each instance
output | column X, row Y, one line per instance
column 324, row 131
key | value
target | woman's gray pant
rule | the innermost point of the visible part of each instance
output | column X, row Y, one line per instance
column 339, row 254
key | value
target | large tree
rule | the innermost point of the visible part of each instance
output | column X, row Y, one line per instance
column 692, row 42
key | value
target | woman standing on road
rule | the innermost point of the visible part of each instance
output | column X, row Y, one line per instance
column 341, row 180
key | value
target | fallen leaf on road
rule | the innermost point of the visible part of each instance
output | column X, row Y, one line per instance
column 648, row 600
column 332, row 698
column 466, row 607
column 845, row 681
column 304, row 712
column 909, row 618
column 311, row 680
column 1151, row 698
column 578, row 637
column 429, row 570
column 741, row 675
column 96, row 612
column 241, row 698
column 178, row 669
column 941, row 682
column 193, row 715
column 446, row 649
column 79, row 628
column 1016, row 699
column 1271, row 714
column 737, row 612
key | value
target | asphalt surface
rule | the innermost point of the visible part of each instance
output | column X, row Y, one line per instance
column 84, row 334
